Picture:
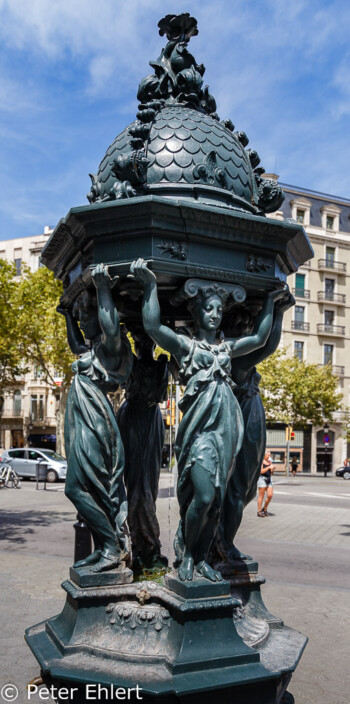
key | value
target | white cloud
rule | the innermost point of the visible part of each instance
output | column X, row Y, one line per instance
column 279, row 70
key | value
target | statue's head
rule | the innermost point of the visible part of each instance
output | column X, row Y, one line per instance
column 207, row 307
column 206, row 300
column 85, row 310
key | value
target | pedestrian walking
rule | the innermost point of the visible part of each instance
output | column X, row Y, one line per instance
column 265, row 487
column 294, row 465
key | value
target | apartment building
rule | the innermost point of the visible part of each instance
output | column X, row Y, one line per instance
column 28, row 405
column 317, row 329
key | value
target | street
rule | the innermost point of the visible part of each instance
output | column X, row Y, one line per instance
column 302, row 550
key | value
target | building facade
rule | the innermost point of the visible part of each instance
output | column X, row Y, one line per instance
column 317, row 329
column 28, row 414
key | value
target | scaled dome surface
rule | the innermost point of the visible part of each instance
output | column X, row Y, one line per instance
column 178, row 147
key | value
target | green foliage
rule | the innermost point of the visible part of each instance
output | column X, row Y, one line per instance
column 298, row 393
column 11, row 360
column 43, row 330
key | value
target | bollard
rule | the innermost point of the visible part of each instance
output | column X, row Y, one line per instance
column 82, row 542
column 41, row 473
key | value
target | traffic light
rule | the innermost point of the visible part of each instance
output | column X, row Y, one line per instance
column 290, row 434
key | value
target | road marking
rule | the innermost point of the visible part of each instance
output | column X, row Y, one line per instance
column 313, row 493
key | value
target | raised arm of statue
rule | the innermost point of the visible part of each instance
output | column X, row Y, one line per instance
column 262, row 328
column 166, row 338
column 107, row 315
column 254, row 358
column 74, row 335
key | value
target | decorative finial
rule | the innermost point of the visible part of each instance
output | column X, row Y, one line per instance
column 178, row 27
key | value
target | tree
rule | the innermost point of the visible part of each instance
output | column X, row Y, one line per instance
column 11, row 361
column 43, row 334
column 297, row 393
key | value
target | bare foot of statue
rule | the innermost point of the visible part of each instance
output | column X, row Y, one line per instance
column 208, row 572
column 89, row 560
column 106, row 563
column 186, row 568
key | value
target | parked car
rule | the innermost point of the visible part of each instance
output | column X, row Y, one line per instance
column 25, row 460
column 343, row 472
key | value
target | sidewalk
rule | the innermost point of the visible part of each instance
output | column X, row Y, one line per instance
column 303, row 551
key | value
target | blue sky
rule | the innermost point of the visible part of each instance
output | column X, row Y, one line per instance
column 69, row 71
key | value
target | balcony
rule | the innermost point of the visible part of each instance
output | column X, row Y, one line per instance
column 338, row 370
column 337, row 298
column 301, row 326
column 333, row 330
column 34, row 419
column 14, row 414
column 301, row 292
column 331, row 265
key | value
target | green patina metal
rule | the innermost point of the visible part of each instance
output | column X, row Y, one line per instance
column 178, row 140
column 178, row 189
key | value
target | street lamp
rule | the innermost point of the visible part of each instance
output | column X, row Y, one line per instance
column 326, row 443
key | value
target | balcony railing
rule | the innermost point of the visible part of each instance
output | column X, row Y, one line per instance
column 14, row 413
column 339, row 298
column 301, row 292
column 331, row 264
column 338, row 370
column 298, row 325
column 337, row 330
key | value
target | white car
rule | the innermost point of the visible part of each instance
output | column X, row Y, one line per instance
column 25, row 460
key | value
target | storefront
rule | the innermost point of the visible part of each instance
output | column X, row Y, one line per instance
column 44, row 440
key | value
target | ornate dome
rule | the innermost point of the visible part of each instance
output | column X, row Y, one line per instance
column 178, row 147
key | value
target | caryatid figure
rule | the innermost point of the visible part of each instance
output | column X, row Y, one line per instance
column 211, row 431
column 242, row 485
column 94, row 448
column 142, row 430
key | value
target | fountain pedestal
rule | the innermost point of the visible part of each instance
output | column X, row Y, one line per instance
column 179, row 642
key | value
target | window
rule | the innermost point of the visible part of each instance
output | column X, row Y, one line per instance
column 299, row 314
column 300, row 284
column 1, row 404
column 299, row 350
column 330, row 256
column 330, row 214
column 327, row 354
column 18, row 454
column 301, row 210
column 32, row 455
column 17, row 403
column 329, row 289
column 37, row 407
column 41, row 407
column 17, row 258
column 277, row 456
column 328, row 319
column 330, row 222
column 38, row 372
column 34, row 407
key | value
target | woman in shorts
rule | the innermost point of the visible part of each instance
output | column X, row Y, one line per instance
column 265, row 487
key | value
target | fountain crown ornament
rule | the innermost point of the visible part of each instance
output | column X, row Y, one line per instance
column 178, row 147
